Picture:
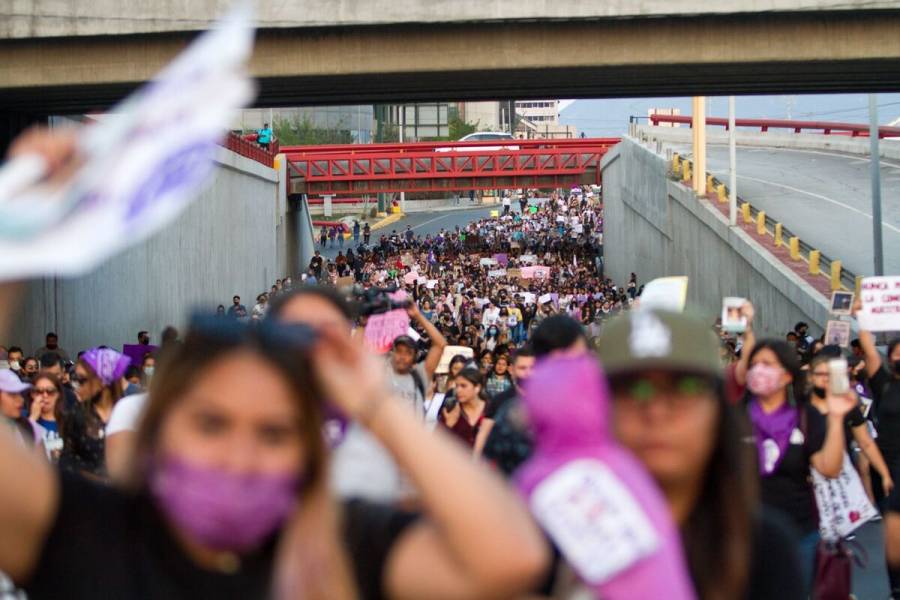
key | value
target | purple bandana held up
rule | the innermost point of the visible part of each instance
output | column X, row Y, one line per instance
column 593, row 497
column 772, row 434
column 221, row 510
column 108, row 364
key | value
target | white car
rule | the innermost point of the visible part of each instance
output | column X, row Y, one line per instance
column 482, row 136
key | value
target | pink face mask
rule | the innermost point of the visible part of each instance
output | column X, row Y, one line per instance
column 222, row 510
column 764, row 380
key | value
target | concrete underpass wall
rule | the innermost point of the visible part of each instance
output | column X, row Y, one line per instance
column 657, row 227
column 230, row 241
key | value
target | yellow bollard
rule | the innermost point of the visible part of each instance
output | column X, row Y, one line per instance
column 778, row 236
column 710, row 182
column 745, row 211
column 761, row 222
column 722, row 192
column 814, row 256
column 676, row 164
column 686, row 171
column 795, row 248
column 859, row 279
column 835, row 275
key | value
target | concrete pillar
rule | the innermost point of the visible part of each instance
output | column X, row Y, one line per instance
column 699, row 126
column 327, row 206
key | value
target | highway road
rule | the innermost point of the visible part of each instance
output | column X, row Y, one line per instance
column 823, row 197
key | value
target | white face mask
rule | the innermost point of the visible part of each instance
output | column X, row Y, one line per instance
column 14, row 365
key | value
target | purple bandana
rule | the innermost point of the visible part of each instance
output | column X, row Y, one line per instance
column 772, row 433
column 108, row 364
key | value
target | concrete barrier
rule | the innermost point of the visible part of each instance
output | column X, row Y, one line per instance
column 234, row 239
column 658, row 227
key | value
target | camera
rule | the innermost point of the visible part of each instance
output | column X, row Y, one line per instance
column 376, row 300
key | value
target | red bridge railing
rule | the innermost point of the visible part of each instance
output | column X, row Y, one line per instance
column 826, row 127
column 250, row 149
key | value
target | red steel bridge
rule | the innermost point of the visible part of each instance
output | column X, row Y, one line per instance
column 444, row 166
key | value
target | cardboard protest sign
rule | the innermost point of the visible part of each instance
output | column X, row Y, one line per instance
column 838, row 333
column 382, row 329
column 497, row 273
column 732, row 319
column 665, row 293
column 880, row 304
column 345, row 281
column 511, row 273
column 136, row 172
column 448, row 354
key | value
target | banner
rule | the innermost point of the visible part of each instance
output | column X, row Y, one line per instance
column 880, row 304
column 137, row 170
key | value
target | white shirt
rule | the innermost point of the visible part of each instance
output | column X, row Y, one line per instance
column 127, row 413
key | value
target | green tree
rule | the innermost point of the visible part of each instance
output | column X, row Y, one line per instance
column 301, row 131
column 457, row 128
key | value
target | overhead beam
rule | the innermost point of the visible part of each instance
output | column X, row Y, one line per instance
column 781, row 53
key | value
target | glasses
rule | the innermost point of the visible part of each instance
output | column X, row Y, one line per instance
column 677, row 390
column 44, row 391
column 80, row 379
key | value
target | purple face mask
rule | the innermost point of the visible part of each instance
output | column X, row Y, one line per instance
column 222, row 510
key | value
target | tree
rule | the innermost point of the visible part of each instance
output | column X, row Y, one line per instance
column 301, row 131
column 457, row 128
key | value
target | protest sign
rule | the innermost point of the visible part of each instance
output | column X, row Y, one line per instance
column 421, row 280
column 541, row 272
column 578, row 228
column 501, row 259
column 382, row 329
column 732, row 319
column 136, row 172
column 529, row 297
column 487, row 262
column 511, row 273
column 514, row 245
column 410, row 277
column 841, row 302
column 545, row 298
column 448, row 354
column 532, row 209
column 842, row 502
column 497, row 273
column 665, row 293
column 880, row 304
column 345, row 281
column 838, row 333
column 526, row 272
column 407, row 260
column 495, row 213
column 136, row 352
column 528, row 258
column 560, row 219
column 431, row 283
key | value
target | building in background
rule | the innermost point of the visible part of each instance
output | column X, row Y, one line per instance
column 314, row 124
column 485, row 116
column 540, row 119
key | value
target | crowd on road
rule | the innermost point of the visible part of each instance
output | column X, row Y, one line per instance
column 474, row 413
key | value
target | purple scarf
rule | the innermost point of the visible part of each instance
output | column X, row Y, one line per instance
column 772, row 433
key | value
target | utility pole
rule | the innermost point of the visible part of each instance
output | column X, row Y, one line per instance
column 732, row 165
column 698, row 123
column 875, row 161
column 402, row 133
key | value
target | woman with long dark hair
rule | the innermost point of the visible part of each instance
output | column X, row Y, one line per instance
column 98, row 375
column 790, row 436
column 47, row 397
column 464, row 418
column 229, row 495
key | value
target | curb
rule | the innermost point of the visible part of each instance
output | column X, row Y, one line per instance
column 389, row 220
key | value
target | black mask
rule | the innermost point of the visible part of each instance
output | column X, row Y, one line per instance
column 819, row 391
column 897, row 367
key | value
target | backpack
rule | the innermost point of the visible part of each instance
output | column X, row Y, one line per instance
column 417, row 381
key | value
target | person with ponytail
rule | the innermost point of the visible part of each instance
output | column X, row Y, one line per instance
column 98, row 375
column 790, row 436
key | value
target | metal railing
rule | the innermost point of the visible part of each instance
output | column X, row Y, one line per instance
column 825, row 127
column 249, row 149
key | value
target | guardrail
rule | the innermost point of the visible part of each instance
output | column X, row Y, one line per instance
column 818, row 263
column 825, row 127
column 249, row 149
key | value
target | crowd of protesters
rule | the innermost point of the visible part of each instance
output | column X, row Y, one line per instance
column 270, row 452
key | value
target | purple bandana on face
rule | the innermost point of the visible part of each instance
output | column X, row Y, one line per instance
column 772, row 433
column 108, row 364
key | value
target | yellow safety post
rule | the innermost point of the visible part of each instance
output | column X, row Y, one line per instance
column 745, row 211
column 761, row 222
column 835, row 275
column 722, row 193
column 858, row 285
column 795, row 247
column 814, row 256
column 676, row 164
column 778, row 233
column 686, row 171
column 710, row 182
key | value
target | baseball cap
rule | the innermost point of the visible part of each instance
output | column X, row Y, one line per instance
column 11, row 384
column 404, row 340
column 646, row 339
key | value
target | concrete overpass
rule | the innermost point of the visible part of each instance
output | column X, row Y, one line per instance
column 60, row 57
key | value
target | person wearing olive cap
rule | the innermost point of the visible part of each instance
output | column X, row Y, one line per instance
column 670, row 410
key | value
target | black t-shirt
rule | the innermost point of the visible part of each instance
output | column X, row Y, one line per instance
column 886, row 394
column 510, row 443
column 788, row 489
column 105, row 543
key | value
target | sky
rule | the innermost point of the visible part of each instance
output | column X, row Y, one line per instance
column 598, row 118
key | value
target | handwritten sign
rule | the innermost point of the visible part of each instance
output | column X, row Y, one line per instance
column 512, row 273
column 842, row 502
column 345, row 281
column 497, row 273
column 136, row 172
column 541, row 272
column 431, row 283
column 421, row 281
column 487, row 262
column 880, row 304
column 528, row 258
column 545, row 298
column 382, row 329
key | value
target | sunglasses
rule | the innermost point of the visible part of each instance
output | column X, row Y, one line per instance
column 270, row 334
column 44, row 391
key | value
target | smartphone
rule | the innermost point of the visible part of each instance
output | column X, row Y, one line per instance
column 839, row 381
